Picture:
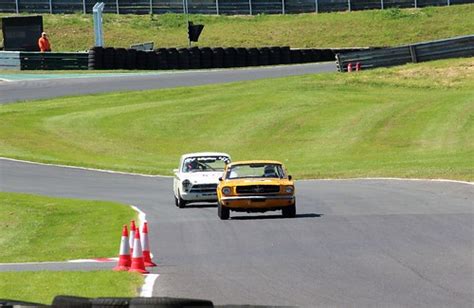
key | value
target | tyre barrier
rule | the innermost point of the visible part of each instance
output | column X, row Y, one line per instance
column 205, row 57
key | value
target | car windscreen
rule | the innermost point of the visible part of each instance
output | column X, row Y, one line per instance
column 255, row 171
column 205, row 163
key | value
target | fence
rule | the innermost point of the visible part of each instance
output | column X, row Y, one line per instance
column 227, row 7
column 462, row 46
column 20, row 60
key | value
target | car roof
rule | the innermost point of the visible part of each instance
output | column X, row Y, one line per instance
column 184, row 156
column 247, row 162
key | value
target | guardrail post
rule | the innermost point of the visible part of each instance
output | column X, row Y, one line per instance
column 349, row 5
column 316, row 6
column 381, row 4
column 283, row 7
column 16, row 7
column 449, row 2
column 217, row 7
column 151, row 7
column 413, row 54
column 117, row 7
column 50, row 6
column 416, row 4
column 250, row 7
column 184, row 7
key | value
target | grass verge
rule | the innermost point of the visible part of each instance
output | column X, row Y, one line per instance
column 40, row 228
column 42, row 287
column 71, row 32
column 410, row 121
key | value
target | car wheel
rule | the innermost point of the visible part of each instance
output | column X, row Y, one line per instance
column 289, row 211
column 176, row 201
column 222, row 211
column 179, row 201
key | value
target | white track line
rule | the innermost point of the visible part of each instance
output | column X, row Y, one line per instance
column 147, row 288
column 84, row 168
column 392, row 179
column 169, row 176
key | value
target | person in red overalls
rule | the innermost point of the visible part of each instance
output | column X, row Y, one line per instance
column 43, row 43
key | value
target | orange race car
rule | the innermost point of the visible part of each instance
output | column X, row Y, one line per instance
column 256, row 186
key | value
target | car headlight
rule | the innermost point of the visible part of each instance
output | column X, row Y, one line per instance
column 186, row 185
column 226, row 190
column 289, row 189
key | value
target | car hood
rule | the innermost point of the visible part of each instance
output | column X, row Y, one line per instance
column 202, row 177
column 258, row 181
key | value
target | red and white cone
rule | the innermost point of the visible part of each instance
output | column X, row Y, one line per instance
column 138, row 265
column 146, row 246
column 133, row 228
column 124, row 254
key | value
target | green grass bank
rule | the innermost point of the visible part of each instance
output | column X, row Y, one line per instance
column 38, row 228
column 344, row 29
column 42, row 287
column 409, row 121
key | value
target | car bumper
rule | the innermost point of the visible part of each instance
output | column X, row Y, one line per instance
column 257, row 202
column 199, row 197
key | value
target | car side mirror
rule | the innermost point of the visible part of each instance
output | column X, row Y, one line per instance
column 290, row 177
column 220, row 179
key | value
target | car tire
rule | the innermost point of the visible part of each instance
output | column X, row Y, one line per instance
column 176, row 201
column 289, row 211
column 222, row 211
column 180, row 202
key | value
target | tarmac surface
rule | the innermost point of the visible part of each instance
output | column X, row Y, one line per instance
column 36, row 86
column 353, row 242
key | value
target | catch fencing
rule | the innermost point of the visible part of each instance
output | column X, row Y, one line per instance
column 456, row 47
column 225, row 7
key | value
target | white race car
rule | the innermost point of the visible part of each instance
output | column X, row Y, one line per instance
column 197, row 178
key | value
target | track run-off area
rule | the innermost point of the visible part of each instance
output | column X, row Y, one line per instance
column 361, row 242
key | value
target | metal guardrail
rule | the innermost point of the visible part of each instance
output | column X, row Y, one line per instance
column 226, row 7
column 462, row 46
column 20, row 60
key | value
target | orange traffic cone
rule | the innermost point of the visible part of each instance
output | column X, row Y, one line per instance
column 146, row 246
column 124, row 254
column 133, row 228
column 137, row 258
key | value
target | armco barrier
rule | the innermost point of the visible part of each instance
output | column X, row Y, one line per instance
column 53, row 60
column 462, row 46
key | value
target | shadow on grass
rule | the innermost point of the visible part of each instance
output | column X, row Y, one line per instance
column 307, row 215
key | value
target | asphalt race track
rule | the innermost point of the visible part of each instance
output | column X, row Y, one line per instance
column 45, row 88
column 353, row 242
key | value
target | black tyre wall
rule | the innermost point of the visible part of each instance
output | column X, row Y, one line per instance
column 194, row 58
column 240, row 57
column 183, row 58
column 274, row 56
column 141, row 60
column 172, row 58
column 206, row 57
column 96, row 58
column 263, row 56
column 229, row 57
column 252, row 56
column 109, row 55
column 131, row 63
column 217, row 57
column 120, row 58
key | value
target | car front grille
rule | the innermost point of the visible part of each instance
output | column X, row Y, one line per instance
column 258, row 189
column 204, row 188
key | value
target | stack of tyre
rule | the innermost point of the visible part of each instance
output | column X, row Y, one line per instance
column 201, row 58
